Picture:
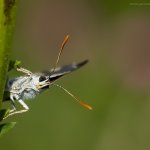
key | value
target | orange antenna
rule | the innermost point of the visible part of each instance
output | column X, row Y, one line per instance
column 75, row 98
column 61, row 50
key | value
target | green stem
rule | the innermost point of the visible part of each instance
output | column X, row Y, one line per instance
column 7, row 24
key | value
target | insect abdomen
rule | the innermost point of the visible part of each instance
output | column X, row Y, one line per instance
column 29, row 94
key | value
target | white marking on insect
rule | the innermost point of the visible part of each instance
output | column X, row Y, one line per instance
column 28, row 86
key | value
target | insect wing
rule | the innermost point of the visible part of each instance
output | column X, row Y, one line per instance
column 61, row 71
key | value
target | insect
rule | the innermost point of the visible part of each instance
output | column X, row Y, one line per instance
column 31, row 84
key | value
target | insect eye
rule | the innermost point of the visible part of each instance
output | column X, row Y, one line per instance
column 42, row 78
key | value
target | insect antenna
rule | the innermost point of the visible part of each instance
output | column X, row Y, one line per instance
column 74, row 97
column 60, row 51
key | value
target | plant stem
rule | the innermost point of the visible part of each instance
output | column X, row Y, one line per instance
column 7, row 24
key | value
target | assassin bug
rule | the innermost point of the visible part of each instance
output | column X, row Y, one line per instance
column 31, row 84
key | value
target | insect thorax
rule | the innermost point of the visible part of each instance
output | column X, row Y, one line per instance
column 23, row 87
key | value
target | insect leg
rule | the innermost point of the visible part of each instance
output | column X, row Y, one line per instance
column 12, row 102
column 14, row 106
column 23, row 104
column 26, row 108
column 24, row 70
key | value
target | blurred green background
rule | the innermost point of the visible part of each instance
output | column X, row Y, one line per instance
column 115, row 37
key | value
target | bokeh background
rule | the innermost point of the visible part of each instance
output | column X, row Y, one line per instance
column 115, row 37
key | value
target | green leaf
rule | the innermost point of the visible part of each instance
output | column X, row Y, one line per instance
column 13, row 64
column 6, row 96
column 3, row 113
column 5, row 127
column 7, row 24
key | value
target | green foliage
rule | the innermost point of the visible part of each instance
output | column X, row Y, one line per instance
column 13, row 64
column 3, row 113
column 5, row 127
column 7, row 24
